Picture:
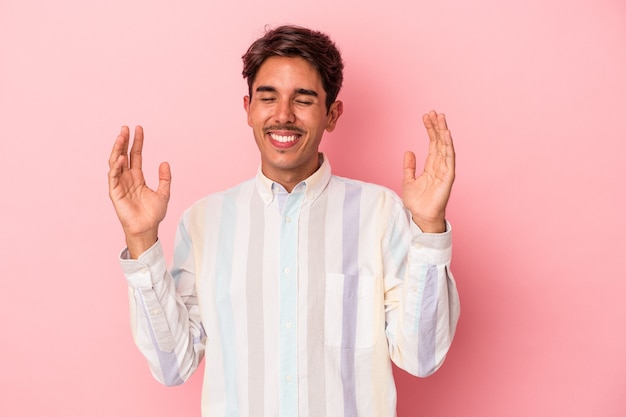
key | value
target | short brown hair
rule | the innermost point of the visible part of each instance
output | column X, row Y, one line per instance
column 295, row 41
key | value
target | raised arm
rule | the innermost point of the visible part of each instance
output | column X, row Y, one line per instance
column 426, row 195
column 139, row 208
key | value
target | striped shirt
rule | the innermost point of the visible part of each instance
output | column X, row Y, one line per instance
column 298, row 300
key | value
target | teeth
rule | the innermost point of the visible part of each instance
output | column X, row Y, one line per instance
column 283, row 139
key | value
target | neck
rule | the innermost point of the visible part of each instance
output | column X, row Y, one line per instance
column 290, row 179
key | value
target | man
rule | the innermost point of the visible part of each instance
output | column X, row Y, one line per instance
column 298, row 286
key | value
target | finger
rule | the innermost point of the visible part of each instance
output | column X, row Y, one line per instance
column 409, row 167
column 450, row 155
column 435, row 122
column 165, row 179
column 431, row 124
column 441, row 145
column 438, row 131
column 135, row 151
column 120, row 146
column 441, row 121
column 114, row 173
column 432, row 128
column 445, row 146
column 125, row 132
column 445, row 136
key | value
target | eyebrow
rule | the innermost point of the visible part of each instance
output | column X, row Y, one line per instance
column 306, row 92
column 270, row 89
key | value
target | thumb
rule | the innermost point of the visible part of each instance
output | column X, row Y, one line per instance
column 409, row 167
column 165, row 179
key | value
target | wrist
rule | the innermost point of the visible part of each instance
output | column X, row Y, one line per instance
column 139, row 243
column 438, row 226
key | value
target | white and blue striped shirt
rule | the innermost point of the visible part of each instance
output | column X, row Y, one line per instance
column 298, row 300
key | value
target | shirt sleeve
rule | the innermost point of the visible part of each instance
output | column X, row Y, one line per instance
column 421, row 300
column 165, row 318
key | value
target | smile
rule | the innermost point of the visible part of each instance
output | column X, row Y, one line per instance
column 283, row 139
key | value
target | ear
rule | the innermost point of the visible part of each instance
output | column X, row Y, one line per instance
column 336, row 110
column 246, row 107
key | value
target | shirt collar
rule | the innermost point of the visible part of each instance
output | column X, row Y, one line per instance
column 314, row 185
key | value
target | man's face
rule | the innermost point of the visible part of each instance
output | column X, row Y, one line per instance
column 288, row 116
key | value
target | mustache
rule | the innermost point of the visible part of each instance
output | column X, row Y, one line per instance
column 288, row 128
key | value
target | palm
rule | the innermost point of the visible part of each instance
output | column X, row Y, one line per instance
column 426, row 195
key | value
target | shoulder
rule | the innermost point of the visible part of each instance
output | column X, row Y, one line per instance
column 380, row 210
column 375, row 200
column 215, row 201
column 368, row 189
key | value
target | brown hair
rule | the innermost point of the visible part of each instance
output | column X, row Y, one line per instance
column 295, row 41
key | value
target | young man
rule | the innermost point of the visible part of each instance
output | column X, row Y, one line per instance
column 298, row 286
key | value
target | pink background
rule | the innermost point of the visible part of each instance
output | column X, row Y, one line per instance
column 535, row 94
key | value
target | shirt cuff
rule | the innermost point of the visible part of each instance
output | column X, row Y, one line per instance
column 431, row 248
column 145, row 270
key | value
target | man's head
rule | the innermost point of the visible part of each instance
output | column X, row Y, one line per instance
column 294, row 41
column 294, row 75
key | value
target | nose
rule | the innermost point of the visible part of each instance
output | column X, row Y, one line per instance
column 284, row 112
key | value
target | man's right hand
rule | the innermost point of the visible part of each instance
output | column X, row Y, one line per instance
column 139, row 208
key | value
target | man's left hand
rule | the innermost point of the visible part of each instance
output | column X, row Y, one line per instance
column 426, row 195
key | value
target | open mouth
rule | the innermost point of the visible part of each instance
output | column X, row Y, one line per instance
column 284, row 138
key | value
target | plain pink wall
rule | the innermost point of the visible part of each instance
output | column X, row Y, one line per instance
column 535, row 93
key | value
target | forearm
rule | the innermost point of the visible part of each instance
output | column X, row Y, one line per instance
column 422, row 326
column 165, row 326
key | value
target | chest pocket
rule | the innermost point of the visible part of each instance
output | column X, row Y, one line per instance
column 352, row 314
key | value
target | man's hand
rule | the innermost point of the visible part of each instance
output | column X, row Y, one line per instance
column 139, row 208
column 426, row 195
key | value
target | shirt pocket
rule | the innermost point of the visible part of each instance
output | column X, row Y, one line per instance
column 351, row 315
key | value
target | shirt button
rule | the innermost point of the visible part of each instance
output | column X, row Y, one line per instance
column 288, row 325
column 288, row 378
column 287, row 270
column 287, row 219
